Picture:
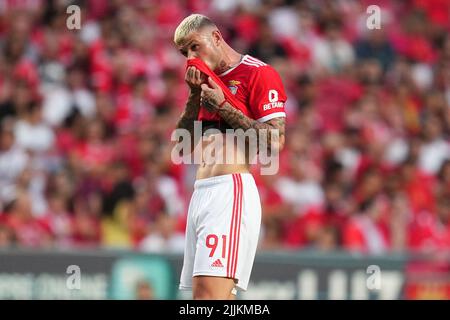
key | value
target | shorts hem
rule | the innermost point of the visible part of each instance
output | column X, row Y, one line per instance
column 211, row 274
column 184, row 288
column 239, row 286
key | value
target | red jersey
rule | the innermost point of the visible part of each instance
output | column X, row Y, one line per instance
column 258, row 86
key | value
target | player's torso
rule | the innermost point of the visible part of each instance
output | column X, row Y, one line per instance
column 238, row 80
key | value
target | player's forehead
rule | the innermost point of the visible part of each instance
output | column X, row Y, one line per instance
column 194, row 36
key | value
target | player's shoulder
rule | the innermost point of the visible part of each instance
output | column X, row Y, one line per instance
column 253, row 62
column 256, row 66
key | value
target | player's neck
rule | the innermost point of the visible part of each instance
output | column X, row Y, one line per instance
column 230, row 60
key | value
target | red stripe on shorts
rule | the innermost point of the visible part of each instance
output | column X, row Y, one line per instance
column 239, row 217
column 235, row 214
column 230, row 234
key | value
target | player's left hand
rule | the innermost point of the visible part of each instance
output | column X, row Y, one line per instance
column 211, row 96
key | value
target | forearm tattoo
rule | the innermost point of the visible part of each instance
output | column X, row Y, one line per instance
column 236, row 119
column 190, row 113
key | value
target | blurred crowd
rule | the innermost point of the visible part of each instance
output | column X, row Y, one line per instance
column 86, row 118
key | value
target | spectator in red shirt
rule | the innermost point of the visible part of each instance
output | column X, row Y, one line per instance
column 431, row 232
column 363, row 232
column 29, row 231
column 86, row 225
column 59, row 220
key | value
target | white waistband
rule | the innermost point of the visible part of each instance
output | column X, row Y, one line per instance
column 216, row 180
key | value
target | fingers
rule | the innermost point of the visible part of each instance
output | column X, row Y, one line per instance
column 211, row 96
column 198, row 74
column 206, row 91
column 188, row 75
column 193, row 77
column 212, row 83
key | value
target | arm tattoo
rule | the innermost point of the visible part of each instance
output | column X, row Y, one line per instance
column 190, row 115
column 236, row 119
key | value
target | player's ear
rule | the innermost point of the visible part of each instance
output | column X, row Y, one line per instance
column 217, row 37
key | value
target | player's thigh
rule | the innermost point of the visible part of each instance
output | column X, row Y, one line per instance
column 214, row 245
column 207, row 287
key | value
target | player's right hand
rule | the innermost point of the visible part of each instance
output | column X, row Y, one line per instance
column 194, row 79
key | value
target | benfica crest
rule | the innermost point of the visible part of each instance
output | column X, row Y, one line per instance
column 233, row 86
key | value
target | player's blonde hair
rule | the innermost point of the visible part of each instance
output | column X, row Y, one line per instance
column 191, row 23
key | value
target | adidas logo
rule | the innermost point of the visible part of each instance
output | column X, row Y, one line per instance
column 217, row 264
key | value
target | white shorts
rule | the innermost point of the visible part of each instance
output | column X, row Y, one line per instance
column 222, row 229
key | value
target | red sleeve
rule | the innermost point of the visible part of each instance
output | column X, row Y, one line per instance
column 267, row 95
column 353, row 239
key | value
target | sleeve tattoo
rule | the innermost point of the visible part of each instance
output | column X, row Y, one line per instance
column 190, row 115
column 236, row 119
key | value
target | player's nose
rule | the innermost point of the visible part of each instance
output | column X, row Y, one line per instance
column 191, row 55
